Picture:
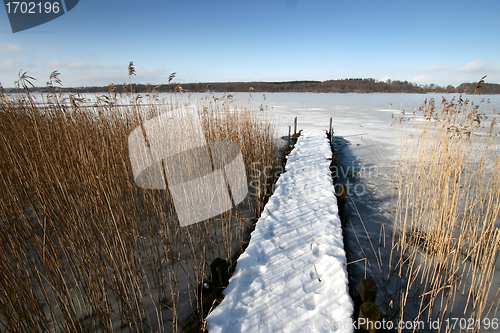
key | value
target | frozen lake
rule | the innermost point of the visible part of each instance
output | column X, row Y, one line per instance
column 363, row 119
column 366, row 141
column 365, row 138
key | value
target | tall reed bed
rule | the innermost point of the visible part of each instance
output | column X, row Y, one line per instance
column 83, row 247
column 446, row 241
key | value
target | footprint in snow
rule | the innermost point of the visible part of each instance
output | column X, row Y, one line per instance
column 246, row 279
column 262, row 257
column 237, row 311
column 293, row 313
column 311, row 284
column 309, row 302
column 234, row 326
column 268, row 231
column 258, row 271
column 315, row 250
column 298, row 264
column 277, row 289
column 282, row 244
column 251, row 275
column 334, row 252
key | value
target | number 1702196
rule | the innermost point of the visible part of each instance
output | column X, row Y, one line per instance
column 471, row 323
column 32, row 7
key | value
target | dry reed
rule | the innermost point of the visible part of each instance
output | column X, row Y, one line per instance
column 83, row 247
column 446, row 242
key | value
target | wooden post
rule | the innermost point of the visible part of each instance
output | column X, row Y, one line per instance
column 334, row 161
column 220, row 275
column 331, row 139
column 289, row 134
column 368, row 310
column 191, row 326
column 371, row 313
column 208, row 295
column 368, row 290
column 295, row 126
column 341, row 197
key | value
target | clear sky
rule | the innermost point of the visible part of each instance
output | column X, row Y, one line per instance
column 441, row 42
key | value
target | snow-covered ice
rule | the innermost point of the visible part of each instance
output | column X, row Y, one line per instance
column 292, row 276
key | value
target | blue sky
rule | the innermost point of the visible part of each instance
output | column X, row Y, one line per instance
column 442, row 42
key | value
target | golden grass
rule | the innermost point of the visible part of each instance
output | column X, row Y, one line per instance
column 83, row 247
column 445, row 242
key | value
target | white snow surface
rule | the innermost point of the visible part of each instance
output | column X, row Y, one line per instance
column 292, row 276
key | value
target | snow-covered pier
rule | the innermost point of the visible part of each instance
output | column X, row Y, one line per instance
column 292, row 277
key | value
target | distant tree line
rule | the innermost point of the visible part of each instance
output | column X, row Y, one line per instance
column 353, row 85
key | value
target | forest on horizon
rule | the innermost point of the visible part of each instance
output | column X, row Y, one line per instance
column 352, row 85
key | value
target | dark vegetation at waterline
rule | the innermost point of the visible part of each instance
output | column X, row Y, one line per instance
column 353, row 85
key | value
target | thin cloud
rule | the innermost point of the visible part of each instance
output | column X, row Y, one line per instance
column 10, row 48
column 79, row 65
column 98, row 78
column 470, row 72
column 435, row 68
column 82, row 73
column 475, row 66
column 44, row 47
column 151, row 71
column 420, row 79
column 56, row 64
column 10, row 64
column 52, row 64
column 110, row 65
column 88, row 56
